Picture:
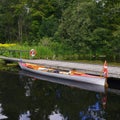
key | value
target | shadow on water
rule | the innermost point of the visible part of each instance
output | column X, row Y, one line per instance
column 114, row 83
column 29, row 96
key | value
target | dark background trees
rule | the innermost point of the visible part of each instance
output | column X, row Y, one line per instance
column 80, row 26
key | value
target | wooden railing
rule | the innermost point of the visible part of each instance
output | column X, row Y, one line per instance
column 14, row 53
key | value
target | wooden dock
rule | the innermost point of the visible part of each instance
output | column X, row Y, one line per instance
column 84, row 67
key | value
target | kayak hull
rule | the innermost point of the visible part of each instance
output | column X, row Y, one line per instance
column 83, row 78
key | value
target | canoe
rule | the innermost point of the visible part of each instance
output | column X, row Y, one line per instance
column 71, row 75
column 70, row 83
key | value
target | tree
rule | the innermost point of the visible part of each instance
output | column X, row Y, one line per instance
column 89, row 26
column 6, row 22
column 76, row 26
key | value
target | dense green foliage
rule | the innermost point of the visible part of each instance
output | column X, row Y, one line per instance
column 68, row 27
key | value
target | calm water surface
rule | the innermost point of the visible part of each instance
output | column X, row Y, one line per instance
column 29, row 98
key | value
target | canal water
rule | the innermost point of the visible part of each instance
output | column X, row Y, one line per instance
column 27, row 97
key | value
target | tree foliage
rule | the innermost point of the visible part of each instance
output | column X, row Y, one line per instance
column 79, row 26
column 91, row 27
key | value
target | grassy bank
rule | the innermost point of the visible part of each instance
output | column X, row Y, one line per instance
column 53, row 52
column 14, row 51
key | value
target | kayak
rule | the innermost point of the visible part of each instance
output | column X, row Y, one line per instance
column 70, row 83
column 71, row 75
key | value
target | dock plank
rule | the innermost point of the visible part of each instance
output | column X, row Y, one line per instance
column 84, row 67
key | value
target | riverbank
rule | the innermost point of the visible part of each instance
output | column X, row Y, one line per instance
column 8, row 67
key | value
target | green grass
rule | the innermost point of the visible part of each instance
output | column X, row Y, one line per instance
column 45, row 52
column 41, row 51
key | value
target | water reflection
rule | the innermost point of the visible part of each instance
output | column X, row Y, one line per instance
column 28, row 86
column 2, row 116
column 25, row 115
column 56, row 115
column 30, row 98
column 97, row 110
column 93, row 111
